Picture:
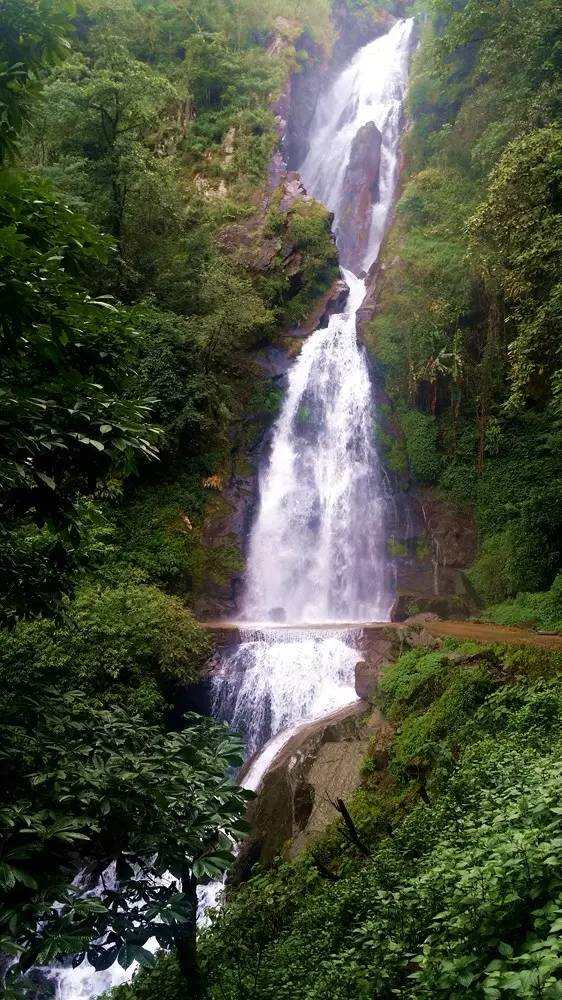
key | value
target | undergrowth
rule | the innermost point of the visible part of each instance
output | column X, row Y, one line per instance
column 460, row 895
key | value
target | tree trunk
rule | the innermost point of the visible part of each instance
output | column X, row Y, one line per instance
column 185, row 940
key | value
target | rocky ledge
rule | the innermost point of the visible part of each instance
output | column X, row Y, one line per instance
column 322, row 762
column 318, row 766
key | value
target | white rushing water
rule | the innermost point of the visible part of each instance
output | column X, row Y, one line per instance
column 317, row 546
column 370, row 89
column 317, row 550
column 277, row 679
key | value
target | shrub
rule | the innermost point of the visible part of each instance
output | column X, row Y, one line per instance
column 490, row 574
column 420, row 432
column 131, row 641
column 543, row 610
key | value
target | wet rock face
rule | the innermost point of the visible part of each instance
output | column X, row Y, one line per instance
column 432, row 543
column 452, row 530
column 354, row 28
column 357, row 25
column 304, row 90
column 361, row 192
column 378, row 647
column 320, row 762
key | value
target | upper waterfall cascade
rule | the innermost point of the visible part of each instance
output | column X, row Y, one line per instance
column 317, row 547
column 370, row 89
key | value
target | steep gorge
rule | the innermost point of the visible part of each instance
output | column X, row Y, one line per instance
column 204, row 417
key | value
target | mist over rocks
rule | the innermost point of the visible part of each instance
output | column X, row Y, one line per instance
column 354, row 29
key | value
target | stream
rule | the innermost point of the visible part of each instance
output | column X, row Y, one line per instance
column 317, row 548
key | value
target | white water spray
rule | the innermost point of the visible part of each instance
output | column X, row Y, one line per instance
column 275, row 680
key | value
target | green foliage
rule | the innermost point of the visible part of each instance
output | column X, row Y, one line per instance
column 67, row 415
column 423, row 548
column 517, row 233
column 108, row 105
column 161, row 533
column 33, row 564
column 165, row 981
column 416, row 682
column 428, row 289
column 303, row 233
column 130, row 642
column 310, row 231
column 490, row 574
column 395, row 548
column 153, row 114
column 421, row 736
column 516, row 501
column 542, row 610
column 33, row 36
column 84, row 788
column 158, row 128
column 420, row 435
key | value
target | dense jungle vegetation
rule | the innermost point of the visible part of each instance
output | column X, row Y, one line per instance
column 470, row 307
column 135, row 142
column 455, row 891
column 132, row 134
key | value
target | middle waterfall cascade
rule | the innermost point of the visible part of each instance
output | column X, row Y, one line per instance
column 317, row 549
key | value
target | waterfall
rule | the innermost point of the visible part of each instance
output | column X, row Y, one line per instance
column 317, row 546
column 317, row 549
column 277, row 679
column 370, row 90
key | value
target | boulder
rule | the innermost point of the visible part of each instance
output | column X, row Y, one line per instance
column 379, row 646
column 365, row 680
column 361, row 192
column 278, row 615
column 321, row 762
column 332, row 302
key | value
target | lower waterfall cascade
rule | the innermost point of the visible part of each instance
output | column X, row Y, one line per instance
column 317, row 548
